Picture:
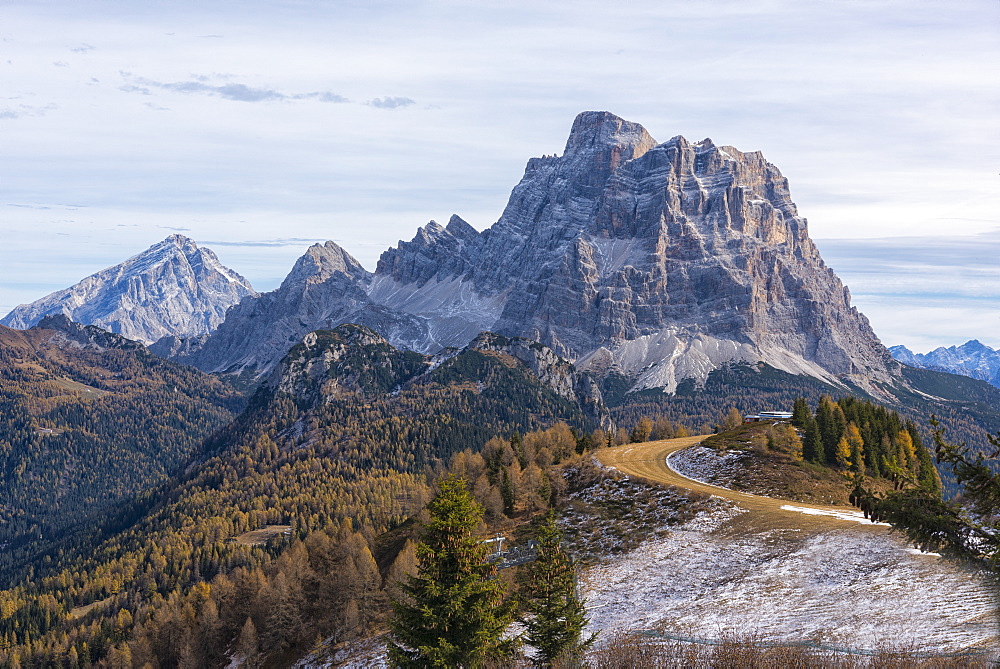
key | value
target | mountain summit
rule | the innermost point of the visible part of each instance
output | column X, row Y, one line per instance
column 172, row 288
column 973, row 358
column 655, row 261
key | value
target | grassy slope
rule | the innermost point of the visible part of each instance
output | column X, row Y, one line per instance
column 968, row 409
column 779, row 472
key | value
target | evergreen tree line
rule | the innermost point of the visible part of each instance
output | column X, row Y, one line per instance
column 967, row 526
column 865, row 438
column 83, row 430
column 967, row 408
column 344, row 454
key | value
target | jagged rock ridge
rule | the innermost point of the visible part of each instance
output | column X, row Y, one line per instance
column 973, row 359
column 659, row 262
column 174, row 288
column 354, row 361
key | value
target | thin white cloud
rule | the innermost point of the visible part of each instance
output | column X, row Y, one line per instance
column 229, row 91
column 26, row 111
column 923, row 292
column 256, row 243
column 390, row 102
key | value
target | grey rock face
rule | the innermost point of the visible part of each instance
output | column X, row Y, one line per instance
column 173, row 288
column 658, row 261
column 973, row 359
column 325, row 288
column 661, row 261
column 70, row 334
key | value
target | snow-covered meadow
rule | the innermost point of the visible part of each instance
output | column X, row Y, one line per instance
column 856, row 587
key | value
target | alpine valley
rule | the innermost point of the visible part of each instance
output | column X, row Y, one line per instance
column 196, row 474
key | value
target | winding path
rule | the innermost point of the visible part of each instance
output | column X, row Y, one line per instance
column 790, row 570
column 648, row 460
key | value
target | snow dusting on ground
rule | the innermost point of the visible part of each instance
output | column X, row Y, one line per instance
column 847, row 588
column 714, row 573
column 369, row 653
column 853, row 516
column 707, row 465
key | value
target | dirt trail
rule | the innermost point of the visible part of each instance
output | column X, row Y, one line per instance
column 787, row 574
column 649, row 460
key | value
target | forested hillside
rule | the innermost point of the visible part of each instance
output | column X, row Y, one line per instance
column 342, row 444
column 87, row 420
column 344, row 440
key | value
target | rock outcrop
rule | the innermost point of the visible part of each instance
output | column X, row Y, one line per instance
column 174, row 288
column 326, row 288
column 659, row 262
column 353, row 362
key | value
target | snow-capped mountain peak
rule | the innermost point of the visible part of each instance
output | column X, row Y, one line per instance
column 173, row 288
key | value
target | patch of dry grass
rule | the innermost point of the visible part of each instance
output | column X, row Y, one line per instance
column 630, row 650
column 263, row 535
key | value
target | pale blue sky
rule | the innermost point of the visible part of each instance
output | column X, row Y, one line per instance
column 258, row 127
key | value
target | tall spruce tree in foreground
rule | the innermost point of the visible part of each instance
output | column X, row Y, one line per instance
column 453, row 612
column 555, row 615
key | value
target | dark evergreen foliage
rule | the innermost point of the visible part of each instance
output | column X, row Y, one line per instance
column 453, row 612
column 968, row 527
column 555, row 614
column 83, row 429
column 347, row 454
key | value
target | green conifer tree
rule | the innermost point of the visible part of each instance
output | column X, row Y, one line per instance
column 852, row 435
column 801, row 415
column 507, row 493
column 967, row 526
column 555, row 615
column 812, row 442
column 453, row 612
column 830, row 428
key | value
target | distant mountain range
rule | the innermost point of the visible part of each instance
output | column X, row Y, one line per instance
column 972, row 359
column 647, row 265
column 655, row 262
column 172, row 288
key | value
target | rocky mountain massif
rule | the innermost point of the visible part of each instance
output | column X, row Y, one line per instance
column 172, row 288
column 658, row 262
column 972, row 358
